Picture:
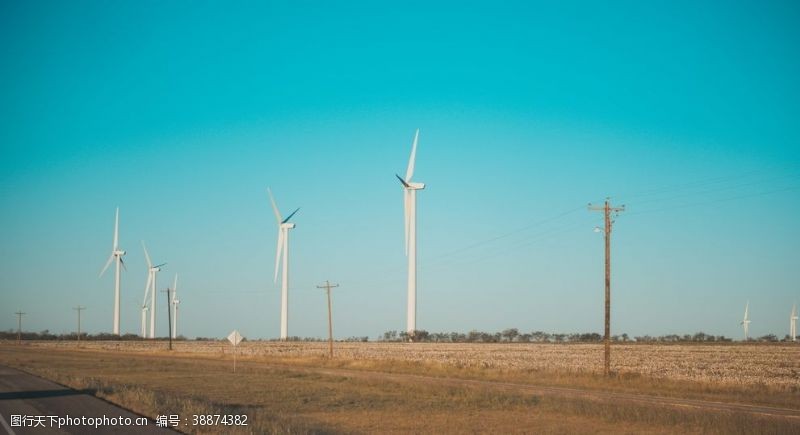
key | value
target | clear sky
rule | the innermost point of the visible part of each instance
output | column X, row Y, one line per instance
column 182, row 113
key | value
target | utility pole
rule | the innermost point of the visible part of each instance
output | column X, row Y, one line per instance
column 19, row 326
column 79, row 309
column 168, row 291
column 609, row 214
column 328, row 286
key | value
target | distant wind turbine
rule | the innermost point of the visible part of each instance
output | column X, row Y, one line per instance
column 410, row 214
column 116, row 257
column 746, row 321
column 283, row 248
column 152, row 271
column 175, row 303
column 793, row 323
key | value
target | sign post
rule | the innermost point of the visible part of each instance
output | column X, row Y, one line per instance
column 235, row 338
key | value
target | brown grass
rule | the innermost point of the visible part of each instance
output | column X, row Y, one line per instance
column 282, row 399
column 774, row 365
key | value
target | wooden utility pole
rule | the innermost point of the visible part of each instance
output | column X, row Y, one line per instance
column 328, row 286
column 609, row 213
column 79, row 309
column 168, row 291
column 19, row 326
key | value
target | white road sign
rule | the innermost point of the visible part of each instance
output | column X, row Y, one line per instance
column 235, row 338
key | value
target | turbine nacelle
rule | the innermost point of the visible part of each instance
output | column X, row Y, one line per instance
column 287, row 226
column 119, row 253
column 410, row 185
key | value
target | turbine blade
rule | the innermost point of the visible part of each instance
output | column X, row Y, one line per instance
column 116, row 230
column 410, row 170
column 147, row 256
column 278, row 253
column 123, row 264
column 108, row 263
column 162, row 264
column 175, row 286
column 401, row 180
column 274, row 206
column 290, row 216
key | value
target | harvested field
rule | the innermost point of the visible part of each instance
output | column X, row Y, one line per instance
column 290, row 388
column 773, row 365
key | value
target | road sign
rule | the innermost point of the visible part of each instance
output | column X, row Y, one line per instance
column 235, row 338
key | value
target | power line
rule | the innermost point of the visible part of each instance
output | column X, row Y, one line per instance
column 504, row 250
column 731, row 198
column 510, row 233
column 707, row 191
column 738, row 176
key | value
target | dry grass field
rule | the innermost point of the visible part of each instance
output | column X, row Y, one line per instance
column 775, row 365
column 434, row 388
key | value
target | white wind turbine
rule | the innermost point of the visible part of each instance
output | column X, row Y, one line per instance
column 793, row 323
column 116, row 257
column 746, row 321
column 151, row 285
column 175, row 303
column 283, row 248
column 410, row 209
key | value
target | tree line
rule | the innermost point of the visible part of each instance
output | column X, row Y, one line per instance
column 105, row 336
column 513, row 335
column 102, row 336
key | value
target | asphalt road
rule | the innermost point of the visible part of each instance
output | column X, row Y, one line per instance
column 22, row 394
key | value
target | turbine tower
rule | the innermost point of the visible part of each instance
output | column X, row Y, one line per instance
column 793, row 323
column 151, row 284
column 746, row 321
column 175, row 303
column 410, row 212
column 144, row 307
column 283, row 248
column 116, row 257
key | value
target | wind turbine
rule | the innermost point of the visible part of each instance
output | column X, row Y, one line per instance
column 746, row 321
column 410, row 212
column 116, row 257
column 793, row 323
column 151, row 284
column 283, row 247
column 175, row 303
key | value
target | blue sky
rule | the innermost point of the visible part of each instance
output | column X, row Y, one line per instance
column 183, row 113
